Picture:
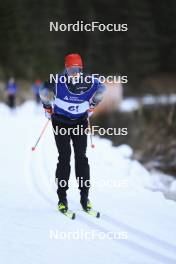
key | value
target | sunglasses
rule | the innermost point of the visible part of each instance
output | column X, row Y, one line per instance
column 74, row 70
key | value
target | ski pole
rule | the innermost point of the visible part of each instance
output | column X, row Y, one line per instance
column 91, row 137
column 43, row 130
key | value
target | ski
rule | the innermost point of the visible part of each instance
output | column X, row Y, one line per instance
column 92, row 213
column 70, row 214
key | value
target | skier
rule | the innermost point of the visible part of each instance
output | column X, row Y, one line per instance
column 71, row 103
column 36, row 87
column 11, row 89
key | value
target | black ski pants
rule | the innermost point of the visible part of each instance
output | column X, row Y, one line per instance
column 63, row 143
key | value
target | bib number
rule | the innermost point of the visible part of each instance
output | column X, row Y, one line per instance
column 73, row 108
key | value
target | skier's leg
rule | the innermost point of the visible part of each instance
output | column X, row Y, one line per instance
column 37, row 98
column 63, row 165
column 81, row 163
column 11, row 101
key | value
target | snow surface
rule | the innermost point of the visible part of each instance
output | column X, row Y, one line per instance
column 28, row 204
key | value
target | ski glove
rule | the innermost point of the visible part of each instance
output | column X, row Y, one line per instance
column 98, row 96
column 48, row 111
column 90, row 111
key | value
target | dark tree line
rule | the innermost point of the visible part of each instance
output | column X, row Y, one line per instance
column 28, row 49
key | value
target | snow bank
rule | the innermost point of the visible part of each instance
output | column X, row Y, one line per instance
column 134, row 103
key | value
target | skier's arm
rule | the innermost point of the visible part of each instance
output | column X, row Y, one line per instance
column 15, row 88
column 47, row 94
column 98, row 95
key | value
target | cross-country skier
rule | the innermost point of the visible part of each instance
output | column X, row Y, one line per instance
column 36, row 87
column 72, row 100
column 11, row 89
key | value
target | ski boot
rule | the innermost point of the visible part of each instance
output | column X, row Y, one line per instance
column 63, row 206
column 87, row 208
column 86, row 204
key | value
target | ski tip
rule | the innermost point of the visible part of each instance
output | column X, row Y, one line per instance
column 92, row 213
column 98, row 215
column 68, row 213
column 73, row 216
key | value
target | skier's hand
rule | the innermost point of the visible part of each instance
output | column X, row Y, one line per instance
column 92, row 105
column 90, row 111
column 48, row 111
